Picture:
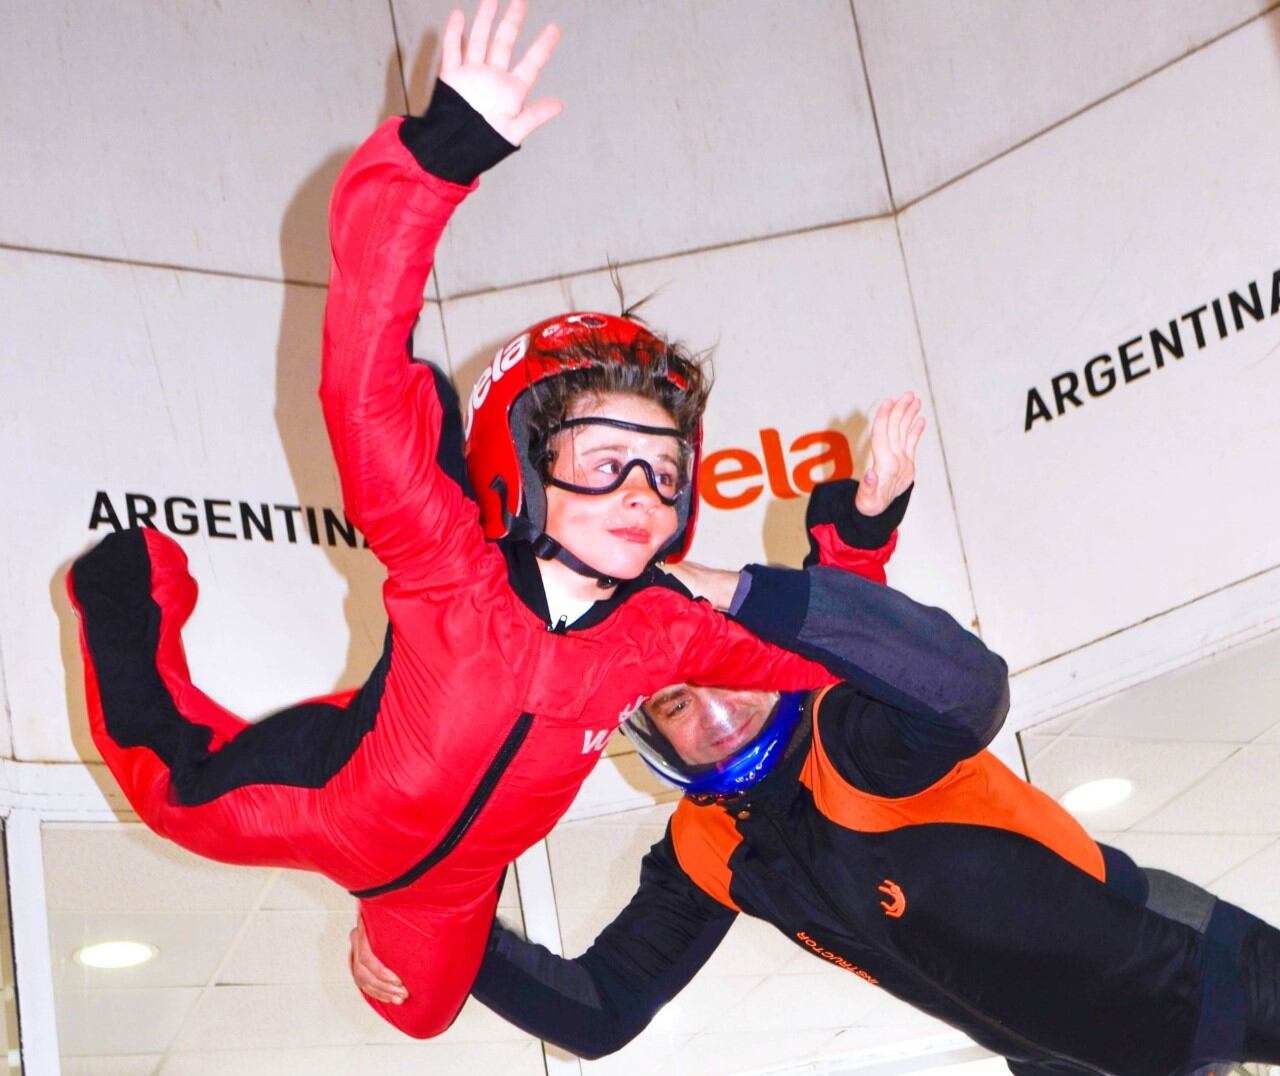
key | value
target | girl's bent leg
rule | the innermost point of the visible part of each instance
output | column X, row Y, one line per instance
column 435, row 947
column 133, row 594
column 221, row 787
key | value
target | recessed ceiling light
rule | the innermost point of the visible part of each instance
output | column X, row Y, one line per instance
column 1097, row 795
column 115, row 954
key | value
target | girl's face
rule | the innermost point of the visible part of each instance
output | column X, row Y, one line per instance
column 617, row 533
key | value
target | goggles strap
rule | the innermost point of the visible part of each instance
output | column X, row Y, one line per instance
column 547, row 548
column 599, row 420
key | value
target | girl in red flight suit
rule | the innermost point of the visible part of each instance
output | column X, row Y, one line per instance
column 507, row 662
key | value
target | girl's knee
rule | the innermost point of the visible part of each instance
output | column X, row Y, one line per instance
column 417, row 1019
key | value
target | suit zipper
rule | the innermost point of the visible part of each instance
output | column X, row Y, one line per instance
column 483, row 790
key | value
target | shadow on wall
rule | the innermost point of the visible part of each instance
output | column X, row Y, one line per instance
column 298, row 414
column 303, row 252
column 73, row 674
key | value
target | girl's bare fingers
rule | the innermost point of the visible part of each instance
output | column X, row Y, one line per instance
column 913, row 438
column 504, row 38
column 537, row 55
column 534, row 116
column 451, row 43
column 908, row 417
column 880, row 431
column 900, row 407
column 478, row 42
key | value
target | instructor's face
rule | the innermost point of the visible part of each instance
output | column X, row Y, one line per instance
column 707, row 724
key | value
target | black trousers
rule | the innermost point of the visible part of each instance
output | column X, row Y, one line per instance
column 1252, row 945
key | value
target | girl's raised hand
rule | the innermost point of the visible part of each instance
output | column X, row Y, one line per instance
column 895, row 433
column 481, row 71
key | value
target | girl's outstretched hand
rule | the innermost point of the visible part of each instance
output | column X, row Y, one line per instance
column 895, row 433
column 479, row 71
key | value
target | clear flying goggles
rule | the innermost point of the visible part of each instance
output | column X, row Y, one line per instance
column 668, row 476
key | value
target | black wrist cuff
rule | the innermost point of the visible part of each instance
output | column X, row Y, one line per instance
column 452, row 140
column 833, row 502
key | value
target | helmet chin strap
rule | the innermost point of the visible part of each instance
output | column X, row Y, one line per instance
column 544, row 546
column 547, row 548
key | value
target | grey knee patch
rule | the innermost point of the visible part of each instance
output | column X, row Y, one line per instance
column 1177, row 899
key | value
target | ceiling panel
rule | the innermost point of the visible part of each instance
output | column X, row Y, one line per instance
column 1240, row 796
column 1159, row 772
column 513, row 1058
column 289, row 947
column 127, row 868
column 256, row 1062
column 100, row 1065
column 190, row 946
column 139, row 1021
column 276, row 1017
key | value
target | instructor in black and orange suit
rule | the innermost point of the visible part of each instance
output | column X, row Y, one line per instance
column 869, row 824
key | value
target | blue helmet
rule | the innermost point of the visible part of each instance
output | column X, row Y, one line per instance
column 729, row 740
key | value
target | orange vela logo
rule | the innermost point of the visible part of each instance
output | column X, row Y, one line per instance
column 735, row 477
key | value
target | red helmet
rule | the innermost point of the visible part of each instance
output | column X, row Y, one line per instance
column 496, row 429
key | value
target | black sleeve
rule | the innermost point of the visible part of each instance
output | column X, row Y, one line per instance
column 598, row 1002
column 452, row 140
column 832, row 503
column 924, row 692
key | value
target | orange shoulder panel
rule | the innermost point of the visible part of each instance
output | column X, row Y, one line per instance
column 704, row 839
column 978, row 791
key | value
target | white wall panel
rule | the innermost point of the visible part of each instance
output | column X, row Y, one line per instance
column 957, row 83
column 203, row 134
column 6, row 734
column 685, row 125
column 810, row 332
column 172, row 384
column 1137, row 213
